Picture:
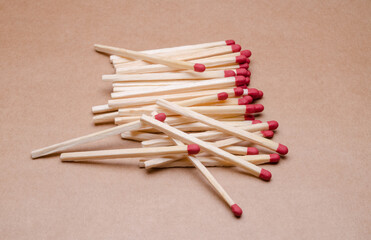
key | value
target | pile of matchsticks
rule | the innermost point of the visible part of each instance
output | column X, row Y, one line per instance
column 189, row 106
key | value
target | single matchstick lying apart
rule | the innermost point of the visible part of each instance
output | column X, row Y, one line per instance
column 151, row 58
column 183, row 114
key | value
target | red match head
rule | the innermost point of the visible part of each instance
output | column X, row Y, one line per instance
column 229, row 73
column 267, row 133
column 253, row 92
column 247, row 80
column 265, row 175
column 259, row 107
column 193, row 149
column 240, row 59
column 229, row 42
column 160, row 117
column 238, row 91
column 256, row 121
column 248, row 73
column 248, row 60
column 222, row 96
column 240, row 80
column 237, row 211
column 282, row 149
column 248, row 99
column 247, row 53
column 249, row 117
column 273, row 125
column 260, row 94
column 242, row 101
column 236, row 48
column 241, row 72
column 252, row 151
column 274, row 158
column 244, row 65
column 198, row 67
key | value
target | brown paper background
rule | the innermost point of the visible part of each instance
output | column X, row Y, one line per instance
column 311, row 59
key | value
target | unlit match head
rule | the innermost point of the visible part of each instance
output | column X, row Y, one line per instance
column 274, row 158
column 273, row 125
column 241, row 59
column 237, row 211
column 161, row 117
column 260, row 94
column 240, row 80
column 267, row 133
column 248, row 73
column 198, row 67
column 222, row 96
column 249, row 117
column 246, row 53
column 282, row 149
column 253, row 92
column 229, row 73
column 252, row 151
column 265, row 175
column 230, row 42
column 238, row 91
column 236, row 48
column 244, row 65
column 193, row 149
column 254, row 108
column 241, row 72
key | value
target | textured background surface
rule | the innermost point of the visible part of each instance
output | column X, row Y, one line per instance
column 311, row 59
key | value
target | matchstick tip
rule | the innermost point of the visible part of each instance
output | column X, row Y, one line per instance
column 236, row 48
column 247, row 81
column 282, row 149
column 241, row 59
column 237, row 211
column 260, row 94
column 253, row 92
column 258, row 108
column 267, row 133
column 249, row 99
column 222, row 96
column 248, row 60
column 230, row 42
column 229, row 73
column 246, row 53
column 241, row 72
column 238, row 91
column 160, row 117
column 240, row 80
column 249, row 117
column 193, row 149
column 265, row 175
column 243, row 101
column 274, row 158
column 252, row 151
column 273, row 125
column 198, row 67
column 244, row 65
column 248, row 73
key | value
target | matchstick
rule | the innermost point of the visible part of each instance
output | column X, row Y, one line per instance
column 239, row 59
column 175, row 133
column 202, row 85
column 90, row 137
column 129, row 153
column 147, row 100
column 206, row 161
column 185, row 55
column 279, row 148
column 207, row 110
column 183, row 48
column 174, row 75
column 178, row 64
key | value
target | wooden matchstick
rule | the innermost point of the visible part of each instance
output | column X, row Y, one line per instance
column 162, row 68
column 173, row 75
column 183, row 48
column 198, row 86
column 178, row 64
column 129, row 153
column 279, row 148
column 175, row 133
column 90, row 138
column 206, row 161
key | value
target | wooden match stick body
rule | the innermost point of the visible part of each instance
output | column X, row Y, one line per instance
column 175, row 133
column 198, row 86
column 162, row 68
column 206, row 161
column 245, row 135
column 178, row 64
column 182, row 48
column 123, row 153
column 85, row 139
